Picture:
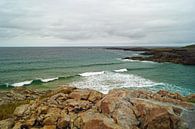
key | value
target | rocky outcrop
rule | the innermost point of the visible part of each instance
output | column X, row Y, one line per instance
column 19, row 94
column 72, row 108
column 184, row 55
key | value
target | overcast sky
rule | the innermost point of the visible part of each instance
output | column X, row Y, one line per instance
column 96, row 22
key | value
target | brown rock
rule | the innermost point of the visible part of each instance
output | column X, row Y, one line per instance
column 30, row 122
column 17, row 125
column 64, row 122
column 164, row 93
column 190, row 98
column 94, row 120
column 7, row 124
column 80, row 94
column 52, row 116
column 119, row 109
column 19, row 111
column 49, row 127
column 78, row 105
column 154, row 116
column 42, row 110
column 95, row 96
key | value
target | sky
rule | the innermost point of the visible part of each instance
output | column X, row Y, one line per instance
column 97, row 22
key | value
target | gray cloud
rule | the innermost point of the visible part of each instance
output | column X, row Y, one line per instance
column 102, row 22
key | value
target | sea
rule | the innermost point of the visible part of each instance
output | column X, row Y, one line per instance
column 90, row 67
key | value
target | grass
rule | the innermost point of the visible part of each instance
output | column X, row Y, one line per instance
column 6, row 110
column 191, row 101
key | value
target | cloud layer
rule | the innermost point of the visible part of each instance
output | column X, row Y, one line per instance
column 96, row 22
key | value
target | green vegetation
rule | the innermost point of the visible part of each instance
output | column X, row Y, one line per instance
column 6, row 110
column 191, row 101
column 190, row 46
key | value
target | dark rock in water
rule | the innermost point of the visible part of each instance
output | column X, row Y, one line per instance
column 184, row 55
column 71, row 108
column 129, row 49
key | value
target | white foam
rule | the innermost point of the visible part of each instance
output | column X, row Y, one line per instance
column 49, row 79
column 109, row 80
column 120, row 70
column 22, row 83
column 86, row 74
column 144, row 61
column 29, row 82
column 148, row 61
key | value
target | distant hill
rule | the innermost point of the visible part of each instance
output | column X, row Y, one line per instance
column 190, row 46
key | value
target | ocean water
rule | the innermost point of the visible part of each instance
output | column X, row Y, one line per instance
column 97, row 68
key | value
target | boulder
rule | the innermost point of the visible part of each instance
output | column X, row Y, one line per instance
column 155, row 116
column 95, row 96
column 7, row 124
column 52, row 116
column 95, row 120
column 117, row 106
column 19, row 111
column 64, row 122
column 76, row 105
column 80, row 94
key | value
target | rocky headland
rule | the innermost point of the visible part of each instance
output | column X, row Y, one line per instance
column 178, row 55
column 73, row 108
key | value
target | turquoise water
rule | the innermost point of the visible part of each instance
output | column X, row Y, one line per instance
column 50, row 67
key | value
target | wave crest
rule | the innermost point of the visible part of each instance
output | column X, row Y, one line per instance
column 36, row 81
column 120, row 70
column 86, row 74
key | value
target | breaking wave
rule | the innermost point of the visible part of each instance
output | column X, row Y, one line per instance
column 120, row 70
column 105, row 81
column 86, row 74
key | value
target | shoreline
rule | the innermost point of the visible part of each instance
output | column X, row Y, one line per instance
column 70, row 107
column 178, row 55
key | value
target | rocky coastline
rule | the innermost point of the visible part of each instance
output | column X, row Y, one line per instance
column 177, row 55
column 74, row 108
